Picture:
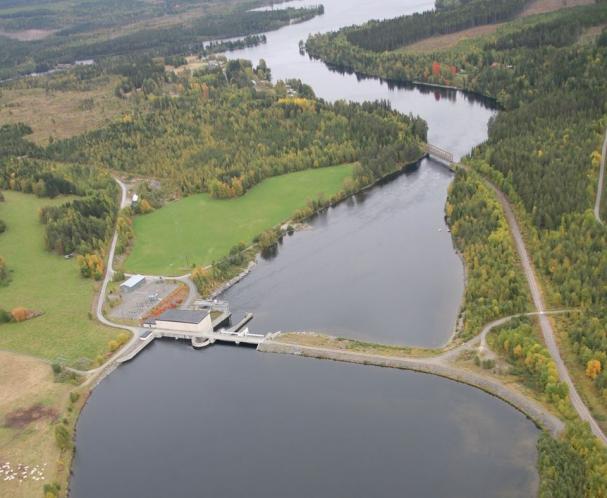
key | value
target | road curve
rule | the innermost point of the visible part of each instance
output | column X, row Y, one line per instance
column 601, row 182
column 545, row 324
column 109, row 272
column 480, row 340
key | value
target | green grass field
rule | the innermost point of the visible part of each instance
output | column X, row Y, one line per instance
column 198, row 229
column 45, row 282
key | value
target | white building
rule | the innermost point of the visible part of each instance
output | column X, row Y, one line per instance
column 182, row 321
column 132, row 283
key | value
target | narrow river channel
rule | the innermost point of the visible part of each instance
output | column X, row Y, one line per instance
column 230, row 422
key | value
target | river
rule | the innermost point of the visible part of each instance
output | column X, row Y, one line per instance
column 230, row 422
column 328, row 279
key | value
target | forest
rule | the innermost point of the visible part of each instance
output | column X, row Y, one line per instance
column 494, row 287
column 223, row 137
column 19, row 58
column 391, row 34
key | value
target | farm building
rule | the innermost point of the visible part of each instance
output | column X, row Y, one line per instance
column 182, row 320
column 132, row 283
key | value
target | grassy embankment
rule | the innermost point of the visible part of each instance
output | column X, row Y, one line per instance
column 48, row 283
column 199, row 229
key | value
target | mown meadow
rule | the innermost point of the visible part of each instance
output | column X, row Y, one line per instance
column 198, row 229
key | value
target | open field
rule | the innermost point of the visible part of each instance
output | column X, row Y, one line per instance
column 48, row 283
column 198, row 229
column 450, row 40
column 61, row 114
column 27, row 386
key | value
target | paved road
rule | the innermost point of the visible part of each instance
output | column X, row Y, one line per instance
column 545, row 324
column 601, row 182
column 109, row 272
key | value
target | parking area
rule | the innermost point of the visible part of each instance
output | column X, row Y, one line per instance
column 135, row 304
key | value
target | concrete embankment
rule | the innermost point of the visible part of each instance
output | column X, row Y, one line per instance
column 540, row 416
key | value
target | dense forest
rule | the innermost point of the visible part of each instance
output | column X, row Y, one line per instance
column 24, row 57
column 391, row 34
column 494, row 286
column 230, row 131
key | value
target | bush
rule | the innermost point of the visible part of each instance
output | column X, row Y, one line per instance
column 2, row 226
column 5, row 316
column 19, row 314
column 62, row 437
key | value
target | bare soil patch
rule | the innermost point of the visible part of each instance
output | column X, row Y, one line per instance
column 22, row 417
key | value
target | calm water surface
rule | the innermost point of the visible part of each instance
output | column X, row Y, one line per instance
column 229, row 422
column 379, row 267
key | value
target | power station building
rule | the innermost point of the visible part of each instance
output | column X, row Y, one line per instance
column 197, row 321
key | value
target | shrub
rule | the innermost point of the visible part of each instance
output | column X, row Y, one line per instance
column 5, row 316
column 20, row 314
column 62, row 437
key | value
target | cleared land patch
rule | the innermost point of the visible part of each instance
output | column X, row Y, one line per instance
column 48, row 283
column 61, row 113
column 199, row 229
column 450, row 40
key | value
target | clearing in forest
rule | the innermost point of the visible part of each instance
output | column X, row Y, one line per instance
column 198, row 229
column 443, row 42
column 45, row 282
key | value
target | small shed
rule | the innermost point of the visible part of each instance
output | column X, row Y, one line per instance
column 132, row 283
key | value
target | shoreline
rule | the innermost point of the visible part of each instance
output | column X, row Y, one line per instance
column 525, row 405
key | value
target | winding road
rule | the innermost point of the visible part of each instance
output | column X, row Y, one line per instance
column 601, row 182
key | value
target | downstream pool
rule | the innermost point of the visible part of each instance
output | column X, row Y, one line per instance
column 230, row 422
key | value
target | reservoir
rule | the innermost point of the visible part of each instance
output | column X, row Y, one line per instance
column 230, row 422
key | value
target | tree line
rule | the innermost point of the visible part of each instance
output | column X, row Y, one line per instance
column 390, row 34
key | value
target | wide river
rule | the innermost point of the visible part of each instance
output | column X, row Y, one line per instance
column 230, row 422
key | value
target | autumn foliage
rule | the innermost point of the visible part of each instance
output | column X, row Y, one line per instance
column 91, row 266
column 593, row 369
column 20, row 314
